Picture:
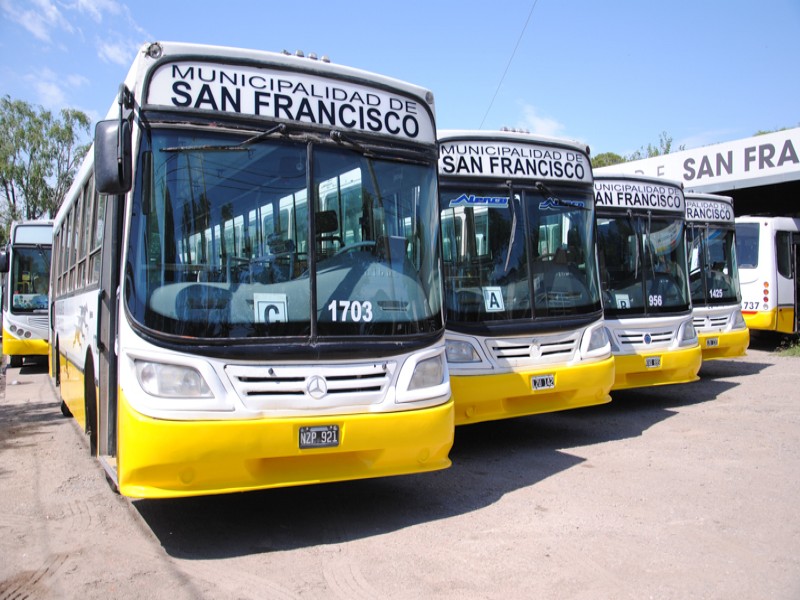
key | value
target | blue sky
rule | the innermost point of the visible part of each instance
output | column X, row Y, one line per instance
column 613, row 74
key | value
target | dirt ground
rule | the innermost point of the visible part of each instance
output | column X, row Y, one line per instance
column 688, row 491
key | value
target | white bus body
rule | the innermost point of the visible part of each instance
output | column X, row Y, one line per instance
column 525, row 332
column 26, row 289
column 641, row 238
column 248, row 287
column 768, row 255
column 714, row 276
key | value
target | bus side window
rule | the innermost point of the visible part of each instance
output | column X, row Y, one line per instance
column 783, row 249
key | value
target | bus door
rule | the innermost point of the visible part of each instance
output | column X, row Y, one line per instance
column 787, row 282
column 104, row 440
column 795, row 264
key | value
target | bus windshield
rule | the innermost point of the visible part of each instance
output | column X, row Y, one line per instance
column 280, row 238
column 642, row 264
column 29, row 279
column 518, row 254
column 713, row 273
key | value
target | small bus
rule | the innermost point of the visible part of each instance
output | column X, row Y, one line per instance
column 247, row 277
column 525, row 330
column 25, row 264
column 714, row 276
column 641, row 238
column 768, row 251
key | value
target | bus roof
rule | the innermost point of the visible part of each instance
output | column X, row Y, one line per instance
column 452, row 135
column 154, row 53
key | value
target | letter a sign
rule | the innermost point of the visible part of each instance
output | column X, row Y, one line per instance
column 493, row 299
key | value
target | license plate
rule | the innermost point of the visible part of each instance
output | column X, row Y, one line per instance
column 652, row 362
column 712, row 342
column 543, row 382
column 319, row 436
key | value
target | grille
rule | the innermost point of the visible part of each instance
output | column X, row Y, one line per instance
column 710, row 322
column 289, row 387
column 661, row 337
column 544, row 349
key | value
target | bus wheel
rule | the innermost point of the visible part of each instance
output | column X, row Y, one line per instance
column 91, row 406
column 15, row 361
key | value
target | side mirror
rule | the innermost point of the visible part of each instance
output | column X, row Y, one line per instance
column 3, row 262
column 112, row 157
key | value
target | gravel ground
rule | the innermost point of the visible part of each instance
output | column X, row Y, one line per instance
column 684, row 491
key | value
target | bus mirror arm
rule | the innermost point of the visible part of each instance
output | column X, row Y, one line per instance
column 112, row 150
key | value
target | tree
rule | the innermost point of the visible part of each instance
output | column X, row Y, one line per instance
column 664, row 147
column 606, row 159
column 39, row 155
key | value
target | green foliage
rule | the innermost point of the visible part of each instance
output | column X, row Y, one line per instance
column 39, row 155
column 766, row 131
column 664, row 147
column 606, row 159
column 790, row 345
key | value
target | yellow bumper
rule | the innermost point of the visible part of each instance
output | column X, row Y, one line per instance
column 727, row 344
column 677, row 366
column 16, row 347
column 491, row 397
column 766, row 320
column 780, row 320
column 164, row 459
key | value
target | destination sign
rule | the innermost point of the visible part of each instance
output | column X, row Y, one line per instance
column 626, row 193
column 500, row 158
column 284, row 95
column 706, row 210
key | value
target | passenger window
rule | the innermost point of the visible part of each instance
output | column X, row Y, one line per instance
column 783, row 248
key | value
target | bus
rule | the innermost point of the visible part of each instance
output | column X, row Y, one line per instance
column 641, row 238
column 768, row 250
column 714, row 276
column 25, row 264
column 247, row 277
column 524, row 319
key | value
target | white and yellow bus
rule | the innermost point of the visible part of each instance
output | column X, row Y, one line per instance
column 768, row 251
column 25, row 264
column 641, row 239
column 714, row 276
column 525, row 328
column 247, row 272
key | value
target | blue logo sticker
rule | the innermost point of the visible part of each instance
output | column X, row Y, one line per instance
column 493, row 201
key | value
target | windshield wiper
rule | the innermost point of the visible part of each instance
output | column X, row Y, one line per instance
column 553, row 201
column 395, row 153
column 281, row 128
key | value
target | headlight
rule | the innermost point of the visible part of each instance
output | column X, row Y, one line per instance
column 428, row 373
column 171, row 381
column 461, row 352
column 738, row 320
column 598, row 339
column 689, row 334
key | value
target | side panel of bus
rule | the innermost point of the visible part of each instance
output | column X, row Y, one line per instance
column 770, row 285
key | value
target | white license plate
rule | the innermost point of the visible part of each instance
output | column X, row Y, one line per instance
column 543, row 382
column 320, row 436
column 652, row 362
column 712, row 342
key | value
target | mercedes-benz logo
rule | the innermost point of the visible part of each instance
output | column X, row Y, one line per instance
column 316, row 387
